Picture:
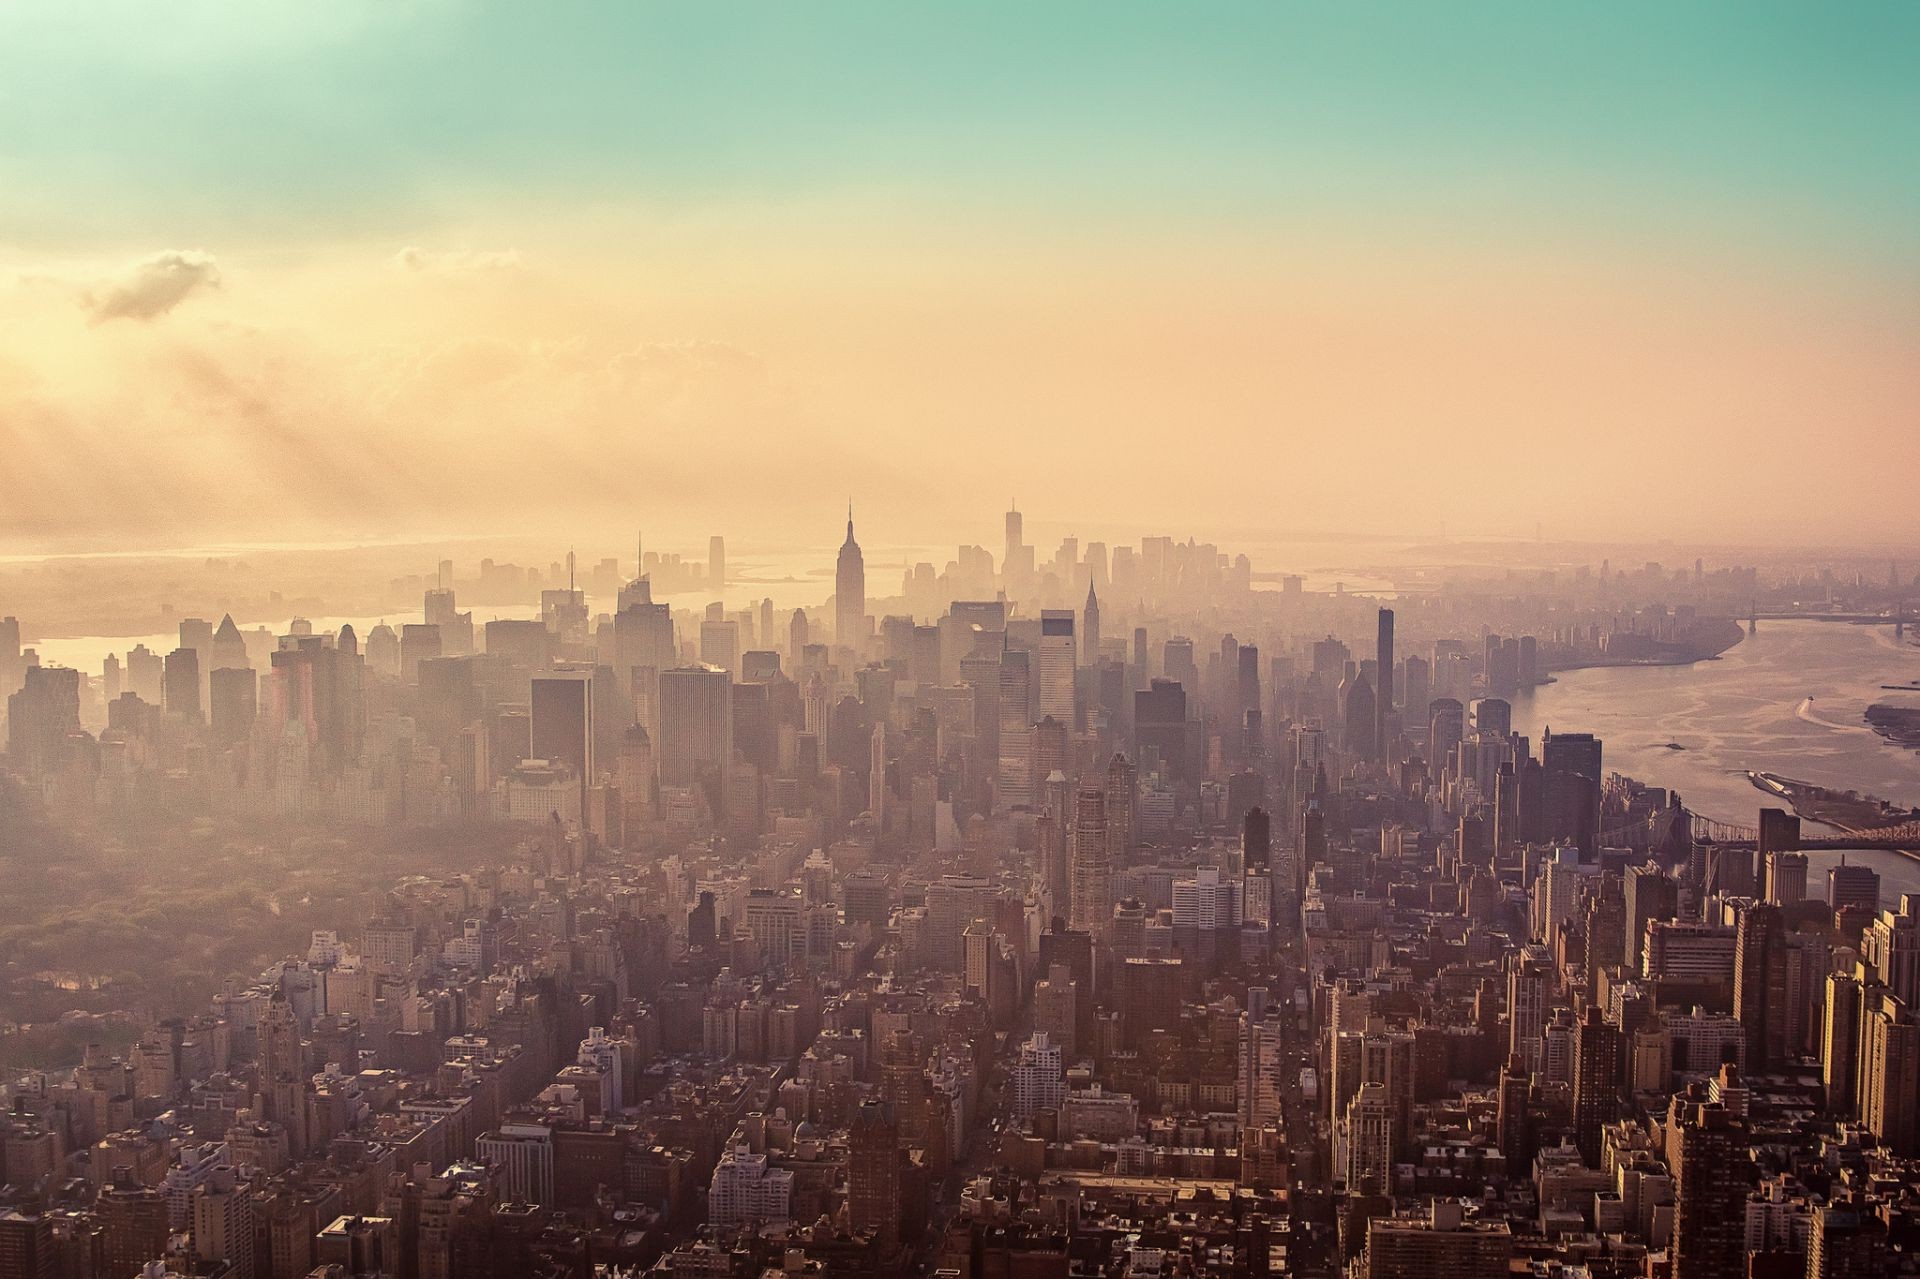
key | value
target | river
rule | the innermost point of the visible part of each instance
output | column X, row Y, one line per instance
column 1750, row 709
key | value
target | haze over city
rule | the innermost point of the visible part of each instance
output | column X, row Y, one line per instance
column 295, row 273
column 851, row 640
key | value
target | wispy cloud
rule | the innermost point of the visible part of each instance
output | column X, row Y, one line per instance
column 155, row 286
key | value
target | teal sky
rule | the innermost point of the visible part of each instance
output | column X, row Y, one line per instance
column 253, row 121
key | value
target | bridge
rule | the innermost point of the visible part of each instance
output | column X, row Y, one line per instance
column 1903, row 837
column 1901, row 617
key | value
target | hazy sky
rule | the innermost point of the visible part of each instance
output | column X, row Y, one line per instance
column 374, row 268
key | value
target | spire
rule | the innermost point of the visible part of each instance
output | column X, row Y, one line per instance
column 1092, row 603
column 850, row 541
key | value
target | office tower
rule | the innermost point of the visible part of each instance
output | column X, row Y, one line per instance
column 419, row 642
column 27, row 1243
column 440, row 611
column 1383, row 715
column 1013, row 711
column 1370, row 1129
column 1262, row 1083
column 1160, row 729
column 796, row 638
column 227, row 647
column 873, row 1174
column 233, row 703
column 1442, row 1245
column 1786, row 878
column 1596, row 1081
column 1091, row 892
column 1853, row 885
column 1529, row 976
column 1840, row 1042
column 695, row 738
column 717, row 561
column 1446, row 728
column 1712, row 1172
column 1572, row 764
column 1056, row 663
column 850, row 594
column 1014, row 541
column 182, row 685
column 562, row 723
column 1358, row 705
column 1887, row 1070
column 41, row 714
column 1493, row 717
column 720, row 645
column 1256, row 844
column 1760, row 985
column 1651, row 895
column 1090, row 623
column 1892, row 948
column 1120, row 812
column 133, row 1222
column 1512, row 1133
column 877, row 778
column 223, row 1221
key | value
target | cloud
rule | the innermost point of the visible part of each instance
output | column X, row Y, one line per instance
column 457, row 261
column 155, row 286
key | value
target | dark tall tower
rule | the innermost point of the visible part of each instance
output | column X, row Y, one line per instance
column 873, row 1174
column 1760, row 985
column 1712, row 1171
column 1383, row 695
column 1596, row 1082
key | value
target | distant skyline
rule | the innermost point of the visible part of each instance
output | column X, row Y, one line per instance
column 373, row 270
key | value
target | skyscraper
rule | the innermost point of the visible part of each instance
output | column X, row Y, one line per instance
column 1054, row 683
column 182, row 684
column 1013, row 712
column 1707, row 1156
column 850, row 593
column 1383, row 694
column 1090, row 625
column 873, row 1174
column 1091, row 908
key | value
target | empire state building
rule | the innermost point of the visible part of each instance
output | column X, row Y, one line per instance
column 850, row 593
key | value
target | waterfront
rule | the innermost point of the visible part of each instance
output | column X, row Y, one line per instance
column 1749, row 710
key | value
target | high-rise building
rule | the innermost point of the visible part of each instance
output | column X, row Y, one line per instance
column 695, row 738
column 873, row 1174
column 1596, row 1081
column 1446, row 728
column 1651, row 895
column 1853, row 885
column 1760, row 991
column 182, row 685
column 26, row 1242
column 1892, row 948
column 1091, row 898
column 562, row 723
column 1848, row 1240
column 1572, row 764
column 1090, row 626
column 1383, row 715
column 1054, row 676
column 850, row 594
column 1712, row 1172
column 1013, row 708
column 1529, row 978
column 717, row 562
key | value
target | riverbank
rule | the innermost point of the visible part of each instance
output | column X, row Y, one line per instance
column 1711, row 638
